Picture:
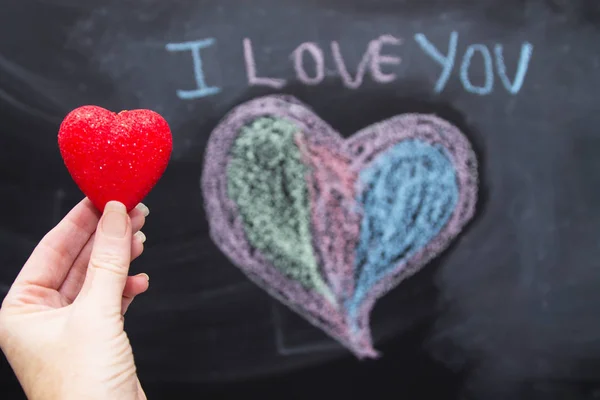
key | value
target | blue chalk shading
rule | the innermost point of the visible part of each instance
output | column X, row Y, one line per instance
column 523, row 66
column 410, row 193
column 195, row 47
column 489, row 70
column 446, row 62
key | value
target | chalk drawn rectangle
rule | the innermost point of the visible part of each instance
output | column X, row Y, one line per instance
column 296, row 336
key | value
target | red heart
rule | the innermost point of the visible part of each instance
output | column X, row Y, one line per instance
column 115, row 156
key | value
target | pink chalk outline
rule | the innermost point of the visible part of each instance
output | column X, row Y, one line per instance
column 226, row 227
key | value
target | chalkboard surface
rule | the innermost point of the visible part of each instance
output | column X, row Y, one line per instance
column 510, row 310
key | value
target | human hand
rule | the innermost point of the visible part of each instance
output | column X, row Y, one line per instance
column 61, row 323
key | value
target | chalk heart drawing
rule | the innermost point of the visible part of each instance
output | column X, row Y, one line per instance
column 327, row 225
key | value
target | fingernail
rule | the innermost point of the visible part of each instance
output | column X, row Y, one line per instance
column 142, row 207
column 145, row 276
column 140, row 235
column 114, row 221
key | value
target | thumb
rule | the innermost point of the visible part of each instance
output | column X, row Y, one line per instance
column 109, row 262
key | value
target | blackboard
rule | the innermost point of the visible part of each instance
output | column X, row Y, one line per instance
column 509, row 311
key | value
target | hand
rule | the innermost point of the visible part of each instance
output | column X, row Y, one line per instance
column 61, row 323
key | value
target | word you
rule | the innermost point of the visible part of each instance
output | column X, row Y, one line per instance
column 310, row 56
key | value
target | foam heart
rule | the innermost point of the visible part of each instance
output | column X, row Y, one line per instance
column 115, row 156
column 328, row 225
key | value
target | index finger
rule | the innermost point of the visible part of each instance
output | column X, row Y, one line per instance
column 54, row 255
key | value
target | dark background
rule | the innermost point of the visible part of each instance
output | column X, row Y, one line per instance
column 510, row 311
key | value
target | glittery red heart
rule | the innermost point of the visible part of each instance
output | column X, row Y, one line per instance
column 115, row 156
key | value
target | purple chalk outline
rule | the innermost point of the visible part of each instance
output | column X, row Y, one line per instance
column 427, row 128
column 226, row 227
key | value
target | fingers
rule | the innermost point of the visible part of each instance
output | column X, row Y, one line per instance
column 53, row 257
column 141, row 395
column 137, row 246
column 109, row 262
column 134, row 286
column 76, row 276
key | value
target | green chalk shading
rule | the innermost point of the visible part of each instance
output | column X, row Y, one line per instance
column 267, row 180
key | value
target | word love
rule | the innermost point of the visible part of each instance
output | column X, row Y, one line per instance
column 378, row 60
